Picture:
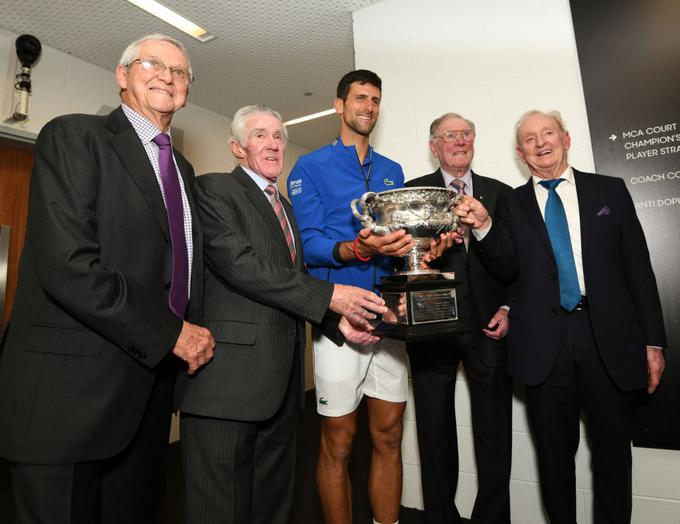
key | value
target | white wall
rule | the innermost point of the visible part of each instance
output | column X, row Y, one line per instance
column 63, row 84
column 491, row 60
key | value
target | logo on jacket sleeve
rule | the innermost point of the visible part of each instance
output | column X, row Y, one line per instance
column 388, row 182
column 295, row 187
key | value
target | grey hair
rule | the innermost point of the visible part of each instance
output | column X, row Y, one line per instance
column 555, row 115
column 131, row 52
column 435, row 123
column 241, row 117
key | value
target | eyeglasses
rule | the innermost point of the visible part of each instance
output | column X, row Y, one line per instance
column 157, row 67
column 452, row 136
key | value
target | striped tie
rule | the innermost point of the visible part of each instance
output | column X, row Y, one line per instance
column 283, row 221
column 459, row 186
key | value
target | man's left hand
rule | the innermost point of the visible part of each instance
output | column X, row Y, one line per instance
column 356, row 335
column 498, row 325
column 655, row 366
column 439, row 245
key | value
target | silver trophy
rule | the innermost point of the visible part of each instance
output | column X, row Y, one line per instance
column 424, row 212
column 421, row 302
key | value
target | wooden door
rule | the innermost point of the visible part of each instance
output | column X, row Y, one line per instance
column 16, row 160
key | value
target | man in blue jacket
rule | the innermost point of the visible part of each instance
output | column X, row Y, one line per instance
column 321, row 187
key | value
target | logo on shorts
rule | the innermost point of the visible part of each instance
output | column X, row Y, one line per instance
column 323, row 401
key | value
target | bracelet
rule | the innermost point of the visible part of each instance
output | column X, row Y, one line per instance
column 356, row 252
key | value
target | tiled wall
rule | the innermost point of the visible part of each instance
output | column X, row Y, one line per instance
column 491, row 60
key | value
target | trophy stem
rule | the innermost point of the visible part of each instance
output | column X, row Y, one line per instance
column 413, row 260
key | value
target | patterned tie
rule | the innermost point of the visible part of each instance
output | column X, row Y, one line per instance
column 558, row 232
column 459, row 185
column 179, row 287
column 283, row 221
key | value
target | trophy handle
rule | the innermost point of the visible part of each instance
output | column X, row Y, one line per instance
column 364, row 217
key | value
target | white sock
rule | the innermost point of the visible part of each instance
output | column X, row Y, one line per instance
column 376, row 522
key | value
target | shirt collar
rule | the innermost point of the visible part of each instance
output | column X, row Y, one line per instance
column 145, row 128
column 567, row 174
column 467, row 178
column 261, row 182
column 351, row 150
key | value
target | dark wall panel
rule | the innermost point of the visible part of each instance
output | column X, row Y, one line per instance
column 629, row 53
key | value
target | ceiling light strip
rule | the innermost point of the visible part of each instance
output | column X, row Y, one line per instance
column 174, row 19
column 309, row 117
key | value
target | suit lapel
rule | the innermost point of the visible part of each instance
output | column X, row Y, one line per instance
column 527, row 198
column 435, row 179
column 479, row 187
column 296, row 233
column 587, row 203
column 264, row 207
column 132, row 155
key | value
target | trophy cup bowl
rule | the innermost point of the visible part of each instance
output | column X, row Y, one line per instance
column 424, row 212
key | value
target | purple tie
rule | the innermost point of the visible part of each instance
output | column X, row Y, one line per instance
column 179, row 287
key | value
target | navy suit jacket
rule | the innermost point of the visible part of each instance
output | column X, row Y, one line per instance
column 483, row 291
column 622, row 295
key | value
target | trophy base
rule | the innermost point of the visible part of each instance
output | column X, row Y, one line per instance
column 421, row 306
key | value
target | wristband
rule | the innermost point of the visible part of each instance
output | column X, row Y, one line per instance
column 356, row 252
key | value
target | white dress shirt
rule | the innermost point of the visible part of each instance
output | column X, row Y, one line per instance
column 567, row 193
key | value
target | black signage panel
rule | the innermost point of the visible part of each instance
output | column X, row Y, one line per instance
column 629, row 54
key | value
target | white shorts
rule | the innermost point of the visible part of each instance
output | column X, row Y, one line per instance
column 343, row 375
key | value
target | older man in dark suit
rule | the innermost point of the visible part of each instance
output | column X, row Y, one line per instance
column 586, row 324
column 111, row 268
column 239, row 413
column 482, row 301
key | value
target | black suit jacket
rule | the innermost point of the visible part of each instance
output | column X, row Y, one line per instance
column 256, row 301
column 482, row 291
column 621, row 290
column 91, row 320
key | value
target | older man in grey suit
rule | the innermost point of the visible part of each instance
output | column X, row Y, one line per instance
column 239, row 414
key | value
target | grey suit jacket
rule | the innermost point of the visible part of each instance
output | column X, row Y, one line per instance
column 256, row 301
column 91, row 320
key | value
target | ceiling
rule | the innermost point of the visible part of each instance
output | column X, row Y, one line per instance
column 265, row 51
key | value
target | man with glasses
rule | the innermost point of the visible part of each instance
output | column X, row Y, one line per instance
column 481, row 301
column 109, row 291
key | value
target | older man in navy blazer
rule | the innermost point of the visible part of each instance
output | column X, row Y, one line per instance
column 482, row 301
column 586, row 328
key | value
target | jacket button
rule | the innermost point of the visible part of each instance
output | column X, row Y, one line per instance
column 553, row 312
column 553, row 276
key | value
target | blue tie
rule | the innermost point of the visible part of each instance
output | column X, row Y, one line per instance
column 558, row 232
